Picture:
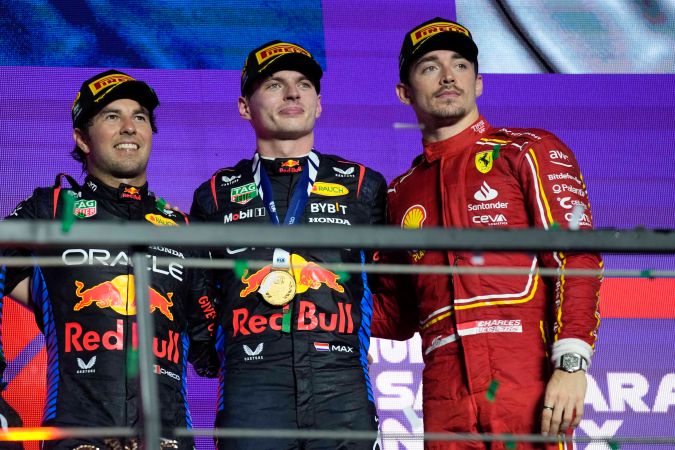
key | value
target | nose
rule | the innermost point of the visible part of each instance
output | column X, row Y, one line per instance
column 292, row 92
column 447, row 76
column 128, row 125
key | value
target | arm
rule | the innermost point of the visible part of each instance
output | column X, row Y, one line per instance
column 17, row 281
column 395, row 313
column 201, row 314
column 554, row 186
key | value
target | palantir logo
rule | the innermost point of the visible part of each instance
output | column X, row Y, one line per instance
column 86, row 367
column 253, row 354
column 485, row 193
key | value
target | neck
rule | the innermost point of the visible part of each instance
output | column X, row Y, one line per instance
column 114, row 182
column 276, row 148
column 435, row 132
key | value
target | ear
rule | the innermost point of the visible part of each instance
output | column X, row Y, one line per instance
column 82, row 140
column 317, row 114
column 403, row 92
column 244, row 110
column 479, row 85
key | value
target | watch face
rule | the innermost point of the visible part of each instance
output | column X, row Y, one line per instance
column 570, row 362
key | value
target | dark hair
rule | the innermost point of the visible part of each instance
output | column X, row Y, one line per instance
column 81, row 157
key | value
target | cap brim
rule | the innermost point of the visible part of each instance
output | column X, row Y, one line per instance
column 298, row 62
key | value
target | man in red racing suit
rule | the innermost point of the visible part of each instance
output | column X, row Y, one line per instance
column 488, row 341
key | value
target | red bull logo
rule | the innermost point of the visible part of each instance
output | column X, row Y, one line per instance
column 290, row 166
column 79, row 340
column 308, row 275
column 290, row 163
column 131, row 192
column 309, row 319
column 119, row 295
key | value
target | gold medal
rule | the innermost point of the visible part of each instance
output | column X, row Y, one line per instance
column 278, row 287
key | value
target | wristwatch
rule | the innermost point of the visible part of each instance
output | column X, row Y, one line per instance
column 572, row 362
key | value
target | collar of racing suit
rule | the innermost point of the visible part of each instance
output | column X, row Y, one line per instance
column 125, row 201
column 284, row 166
column 458, row 143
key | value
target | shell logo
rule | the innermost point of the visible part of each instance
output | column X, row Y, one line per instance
column 414, row 217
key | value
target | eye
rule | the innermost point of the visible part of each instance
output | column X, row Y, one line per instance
column 141, row 117
column 273, row 85
column 462, row 66
column 305, row 84
column 111, row 116
column 428, row 68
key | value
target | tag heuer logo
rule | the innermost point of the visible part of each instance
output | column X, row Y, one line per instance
column 84, row 208
column 243, row 194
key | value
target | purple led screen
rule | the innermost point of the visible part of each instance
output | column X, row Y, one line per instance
column 621, row 127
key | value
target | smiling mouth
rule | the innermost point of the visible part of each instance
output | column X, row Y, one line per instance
column 127, row 146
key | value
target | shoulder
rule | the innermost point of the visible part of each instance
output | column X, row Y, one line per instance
column 367, row 178
column 44, row 201
column 409, row 175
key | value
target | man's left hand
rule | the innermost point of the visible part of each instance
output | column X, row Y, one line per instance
column 563, row 402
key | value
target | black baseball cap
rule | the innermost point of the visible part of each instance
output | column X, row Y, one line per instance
column 106, row 87
column 275, row 56
column 435, row 34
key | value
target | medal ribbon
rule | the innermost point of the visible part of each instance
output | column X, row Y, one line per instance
column 302, row 191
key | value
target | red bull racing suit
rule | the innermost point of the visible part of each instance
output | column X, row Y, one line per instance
column 86, row 310
column 483, row 331
column 8, row 415
column 314, row 374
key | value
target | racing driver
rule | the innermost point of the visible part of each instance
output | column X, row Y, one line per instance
column 296, row 334
column 502, row 353
column 86, row 308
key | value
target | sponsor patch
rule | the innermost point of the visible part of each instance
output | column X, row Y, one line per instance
column 329, row 189
column 253, row 354
column 485, row 193
column 160, row 221
column 279, row 49
column 413, row 218
column 489, row 326
column 84, row 208
column 484, row 161
column 344, row 173
column 243, row 194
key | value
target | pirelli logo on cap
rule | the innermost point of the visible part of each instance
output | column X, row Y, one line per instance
column 434, row 28
column 97, row 85
column 279, row 49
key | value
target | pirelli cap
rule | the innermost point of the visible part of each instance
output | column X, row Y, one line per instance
column 435, row 34
column 275, row 56
column 106, row 87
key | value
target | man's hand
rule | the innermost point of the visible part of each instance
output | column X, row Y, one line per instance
column 563, row 402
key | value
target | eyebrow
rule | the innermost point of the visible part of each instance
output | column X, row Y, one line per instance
column 141, row 110
column 455, row 56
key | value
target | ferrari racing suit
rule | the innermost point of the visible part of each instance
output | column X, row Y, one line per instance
column 480, row 332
